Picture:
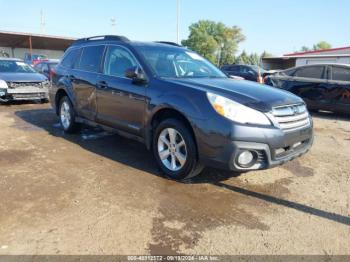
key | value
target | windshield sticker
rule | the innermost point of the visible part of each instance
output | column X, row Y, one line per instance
column 20, row 64
column 195, row 56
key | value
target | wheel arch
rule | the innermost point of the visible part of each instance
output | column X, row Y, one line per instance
column 166, row 113
column 59, row 94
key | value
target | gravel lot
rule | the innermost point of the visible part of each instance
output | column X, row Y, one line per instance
column 98, row 193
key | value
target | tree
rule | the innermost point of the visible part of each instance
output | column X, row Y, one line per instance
column 215, row 41
column 305, row 49
column 251, row 59
column 322, row 45
column 266, row 54
column 319, row 46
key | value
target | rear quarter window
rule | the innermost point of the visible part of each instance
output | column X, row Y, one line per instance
column 91, row 58
column 71, row 58
column 340, row 74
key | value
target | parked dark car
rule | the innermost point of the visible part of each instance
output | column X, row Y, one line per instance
column 33, row 59
column 248, row 72
column 323, row 86
column 181, row 106
column 19, row 81
column 46, row 67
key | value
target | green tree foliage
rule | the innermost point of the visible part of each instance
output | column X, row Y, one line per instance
column 322, row 45
column 215, row 41
column 250, row 59
column 319, row 46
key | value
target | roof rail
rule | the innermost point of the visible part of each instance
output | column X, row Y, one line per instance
column 102, row 37
column 168, row 43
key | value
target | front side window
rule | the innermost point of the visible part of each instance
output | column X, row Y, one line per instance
column 7, row 66
column 170, row 62
column 315, row 72
column 340, row 74
column 91, row 58
column 117, row 61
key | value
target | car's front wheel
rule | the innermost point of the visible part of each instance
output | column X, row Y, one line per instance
column 175, row 150
column 67, row 115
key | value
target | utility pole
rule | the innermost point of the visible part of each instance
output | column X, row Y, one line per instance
column 42, row 22
column 113, row 24
column 178, row 21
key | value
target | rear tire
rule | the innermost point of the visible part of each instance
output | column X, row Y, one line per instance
column 67, row 115
column 175, row 150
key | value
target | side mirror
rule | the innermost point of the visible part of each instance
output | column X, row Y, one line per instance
column 136, row 74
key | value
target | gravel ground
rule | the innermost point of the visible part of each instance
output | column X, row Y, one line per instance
column 98, row 193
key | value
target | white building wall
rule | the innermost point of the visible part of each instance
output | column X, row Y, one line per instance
column 19, row 52
column 322, row 60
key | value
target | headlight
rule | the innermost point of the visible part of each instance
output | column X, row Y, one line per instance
column 46, row 83
column 236, row 111
column 3, row 84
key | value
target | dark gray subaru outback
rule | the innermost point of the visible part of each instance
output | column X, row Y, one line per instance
column 179, row 105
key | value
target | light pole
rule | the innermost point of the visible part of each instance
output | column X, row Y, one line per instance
column 221, row 47
column 178, row 21
column 113, row 23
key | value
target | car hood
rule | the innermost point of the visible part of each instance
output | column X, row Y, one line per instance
column 257, row 96
column 22, row 77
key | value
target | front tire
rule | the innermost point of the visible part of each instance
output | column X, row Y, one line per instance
column 175, row 150
column 67, row 115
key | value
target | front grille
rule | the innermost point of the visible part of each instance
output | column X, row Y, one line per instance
column 261, row 157
column 25, row 84
column 29, row 96
column 291, row 117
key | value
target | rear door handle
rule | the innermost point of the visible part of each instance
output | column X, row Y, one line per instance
column 102, row 84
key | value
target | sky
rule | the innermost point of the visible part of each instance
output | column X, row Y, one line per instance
column 277, row 26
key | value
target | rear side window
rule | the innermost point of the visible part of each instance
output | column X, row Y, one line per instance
column 71, row 58
column 91, row 58
column 340, row 74
column 315, row 72
column 289, row 72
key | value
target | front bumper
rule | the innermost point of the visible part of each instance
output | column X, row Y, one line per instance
column 267, row 157
column 271, row 146
column 20, row 95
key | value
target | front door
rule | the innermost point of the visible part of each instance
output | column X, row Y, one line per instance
column 120, row 102
column 311, row 84
column 339, row 85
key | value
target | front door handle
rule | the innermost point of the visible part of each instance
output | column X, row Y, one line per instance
column 102, row 84
column 71, row 77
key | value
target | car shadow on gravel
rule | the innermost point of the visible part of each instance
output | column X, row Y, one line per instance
column 134, row 154
column 108, row 145
column 331, row 116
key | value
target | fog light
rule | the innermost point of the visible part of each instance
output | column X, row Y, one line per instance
column 245, row 158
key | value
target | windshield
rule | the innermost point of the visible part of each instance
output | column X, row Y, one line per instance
column 179, row 63
column 7, row 66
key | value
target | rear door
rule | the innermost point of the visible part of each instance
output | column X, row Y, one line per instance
column 339, row 86
column 120, row 102
column 84, row 78
column 311, row 84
